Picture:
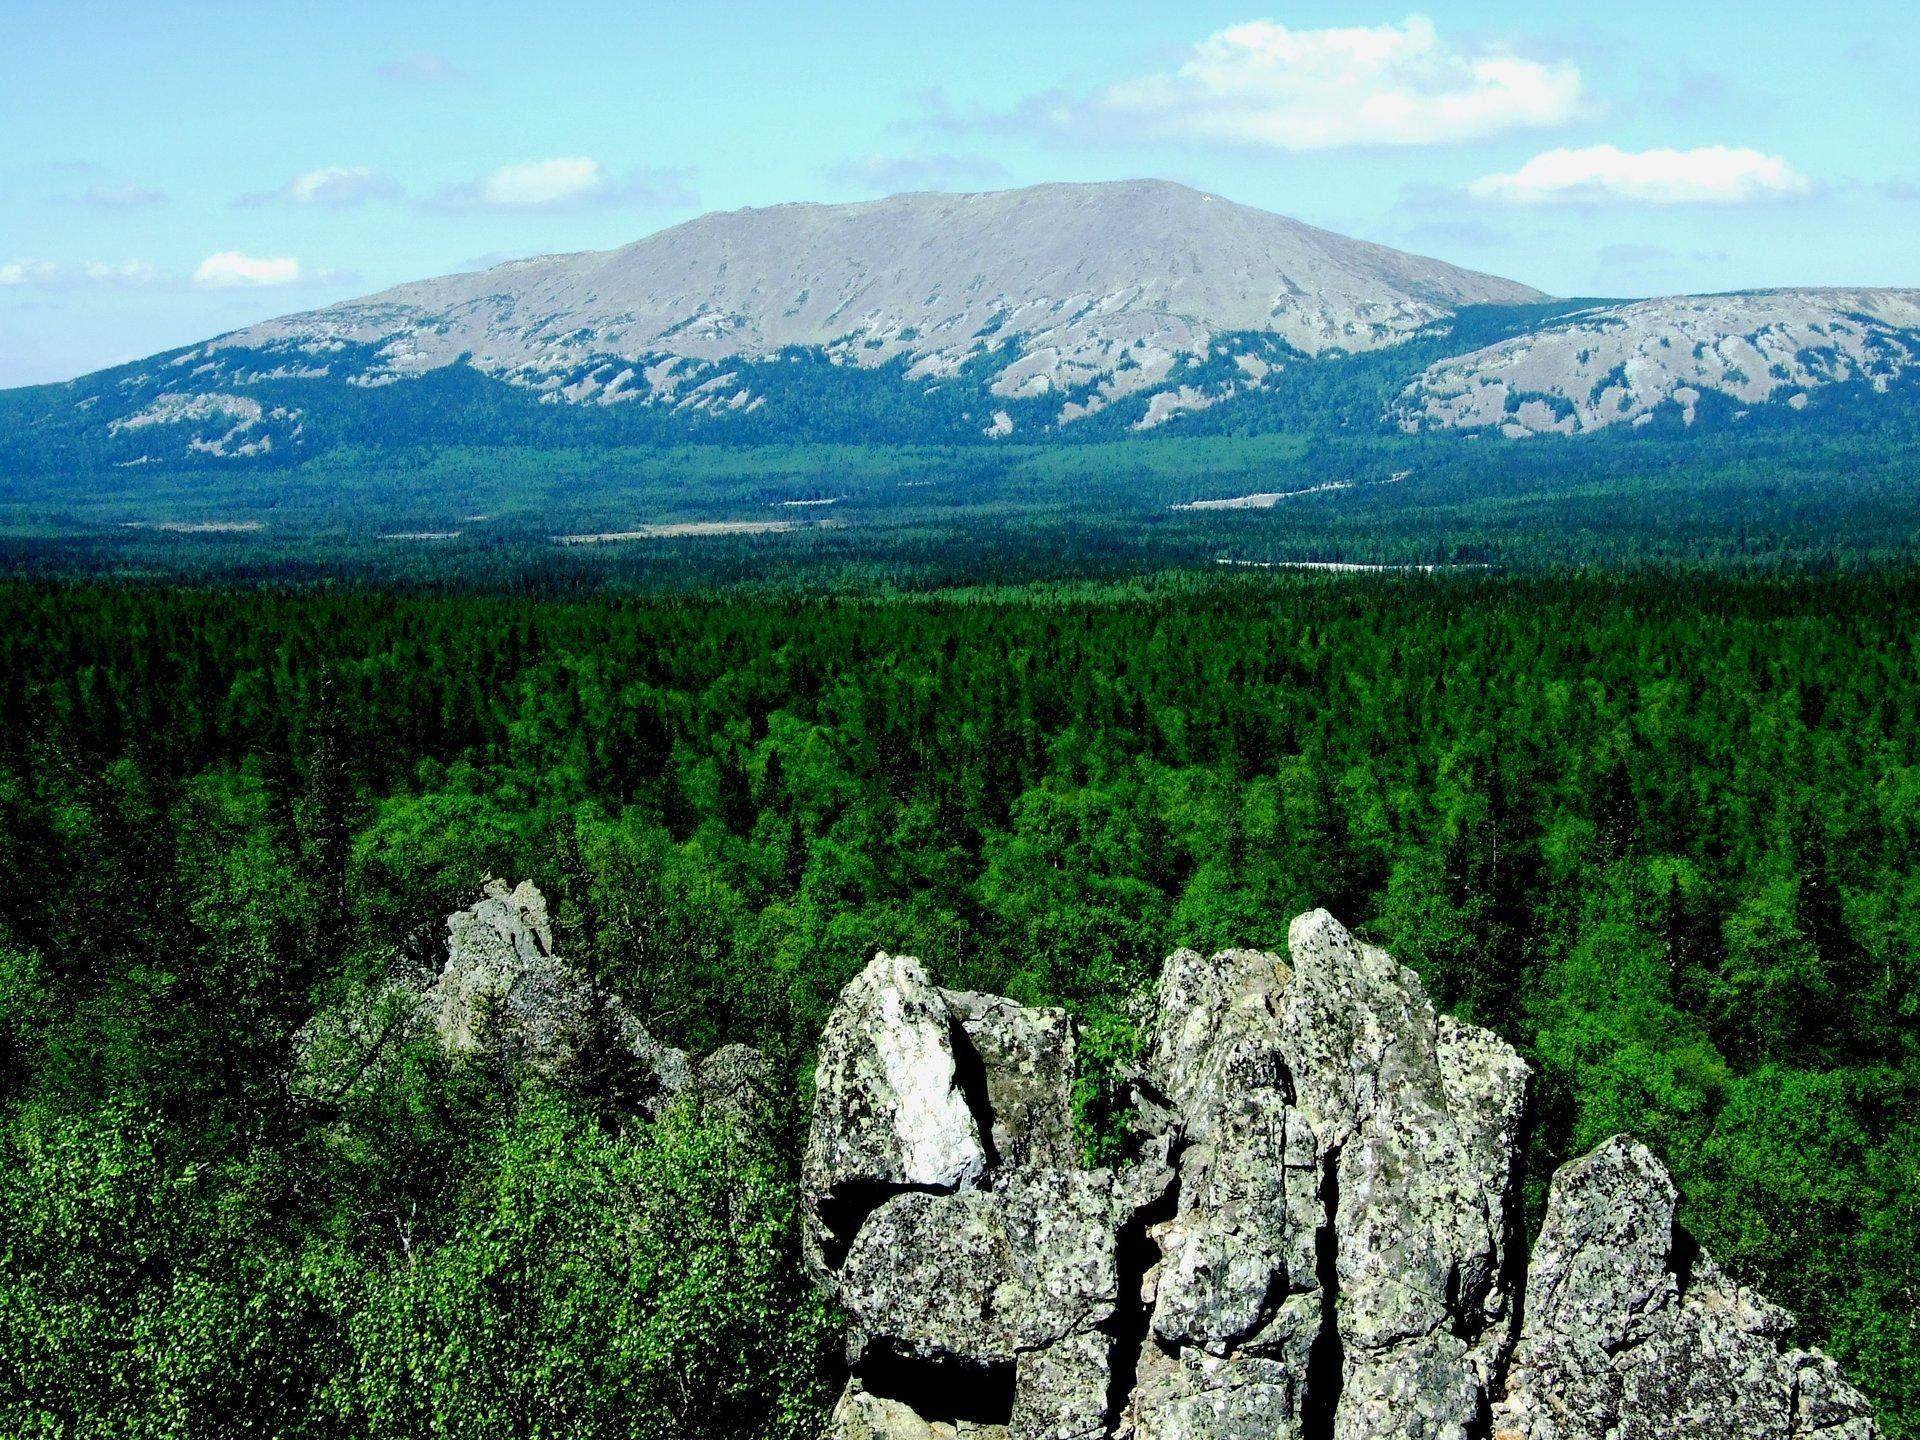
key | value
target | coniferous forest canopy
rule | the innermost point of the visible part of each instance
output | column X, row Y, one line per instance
column 1660, row 831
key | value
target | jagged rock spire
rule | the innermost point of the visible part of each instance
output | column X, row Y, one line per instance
column 1632, row 1330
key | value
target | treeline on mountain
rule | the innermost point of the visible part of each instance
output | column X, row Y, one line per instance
column 1663, row 833
column 800, row 396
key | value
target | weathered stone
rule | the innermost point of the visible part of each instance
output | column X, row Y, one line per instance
column 862, row 1415
column 1825, row 1406
column 502, row 995
column 947, row 1208
column 501, row 985
column 984, row 1276
column 1633, row 1333
column 889, row 1114
column 1311, row 1240
column 1196, row 1396
column 1345, row 1156
column 1061, row 1390
column 1026, row 1060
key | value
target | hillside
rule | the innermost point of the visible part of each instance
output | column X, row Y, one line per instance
column 1099, row 311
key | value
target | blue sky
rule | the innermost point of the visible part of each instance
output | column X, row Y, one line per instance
column 168, row 171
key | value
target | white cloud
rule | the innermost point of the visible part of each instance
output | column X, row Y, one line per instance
column 1265, row 85
column 231, row 268
column 423, row 67
column 542, row 182
column 48, row 274
column 567, row 182
column 332, row 187
column 1710, row 175
column 891, row 173
column 28, row 272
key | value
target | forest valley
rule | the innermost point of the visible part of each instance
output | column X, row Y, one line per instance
column 1660, row 832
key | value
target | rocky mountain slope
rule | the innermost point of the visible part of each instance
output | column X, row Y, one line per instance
column 1089, row 285
column 1620, row 364
column 1060, row 310
column 1314, row 1235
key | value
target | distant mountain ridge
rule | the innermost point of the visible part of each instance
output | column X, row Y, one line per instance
column 1621, row 364
column 1059, row 310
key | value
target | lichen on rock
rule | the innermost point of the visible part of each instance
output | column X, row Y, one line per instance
column 1314, row 1235
column 1633, row 1331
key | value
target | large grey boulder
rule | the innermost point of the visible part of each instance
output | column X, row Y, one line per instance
column 889, row 1116
column 1348, row 1157
column 976, row 1258
column 1313, row 1234
column 1632, row 1332
column 503, row 996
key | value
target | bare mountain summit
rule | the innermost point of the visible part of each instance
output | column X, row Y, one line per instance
column 1620, row 364
column 1085, row 291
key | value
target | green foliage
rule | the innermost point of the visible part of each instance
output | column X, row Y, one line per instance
column 1110, row 1046
column 599, row 1286
column 1662, row 831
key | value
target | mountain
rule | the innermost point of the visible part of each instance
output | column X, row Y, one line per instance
column 1621, row 364
column 1080, row 278
column 1071, row 311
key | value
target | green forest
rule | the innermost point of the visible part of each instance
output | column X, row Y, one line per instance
column 1660, row 830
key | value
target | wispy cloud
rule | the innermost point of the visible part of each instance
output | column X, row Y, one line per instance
column 231, row 269
column 1605, row 174
column 50, row 274
column 887, row 174
column 1267, row 86
column 123, row 197
column 127, row 272
column 423, row 67
column 28, row 272
column 331, row 187
column 568, row 183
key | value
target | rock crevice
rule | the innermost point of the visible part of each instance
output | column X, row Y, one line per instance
column 1315, row 1237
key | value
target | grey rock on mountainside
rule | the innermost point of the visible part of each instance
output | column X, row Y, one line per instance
column 1314, row 1235
column 1621, row 364
column 1057, row 286
column 1632, row 1331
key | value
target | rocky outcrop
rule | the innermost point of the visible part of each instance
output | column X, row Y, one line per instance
column 1314, row 1234
column 505, row 998
column 1631, row 1330
column 1340, row 1243
column 1626, row 364
column 976, row 1258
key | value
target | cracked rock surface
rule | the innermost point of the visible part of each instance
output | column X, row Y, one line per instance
column 1313, row 1235
column 1632, row 1331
